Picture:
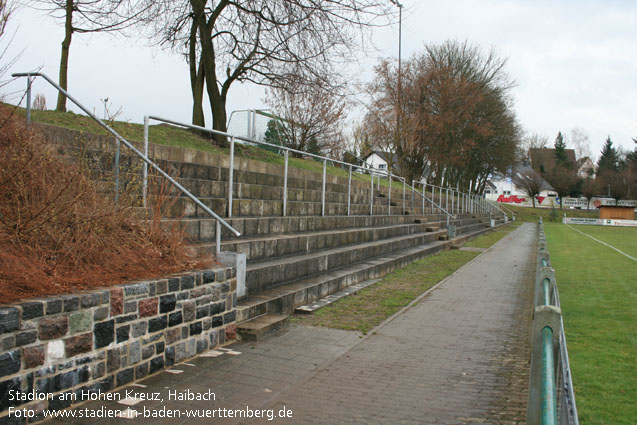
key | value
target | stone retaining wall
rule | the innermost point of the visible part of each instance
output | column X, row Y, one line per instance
column 99, row 340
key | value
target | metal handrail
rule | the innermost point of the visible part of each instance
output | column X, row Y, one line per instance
column 233, row 138
column 501, row 208
column 143, row 156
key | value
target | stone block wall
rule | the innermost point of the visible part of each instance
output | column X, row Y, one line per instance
column 100, row 340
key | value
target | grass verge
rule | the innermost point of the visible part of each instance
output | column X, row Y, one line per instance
column 371, row 306
column 598, row 295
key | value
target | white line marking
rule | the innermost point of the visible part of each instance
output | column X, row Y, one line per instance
column 603, row 243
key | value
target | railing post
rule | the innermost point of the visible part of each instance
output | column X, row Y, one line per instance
column 145, row 169
column 389, row 193
column 440, row 196
column 323, row 191
column 218, row 236
column 447, row 199
column 349, row 191
column 230, row 176
column 423, row 198
column 404, row 198
column 413, row 195
column 117, row 151
column 29, row 101
column 371, row 194
column 285, row 183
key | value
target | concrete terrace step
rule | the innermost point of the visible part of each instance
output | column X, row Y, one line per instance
column 277, row 245
column 184, row 207
column 261, row 327
column 284, row 299
column 264, row 274
column 323, row 302
column 268, row 246
column 203, row 228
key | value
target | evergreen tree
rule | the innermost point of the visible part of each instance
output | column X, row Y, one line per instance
column 609, row 159
column 272, row 134
column 560, row 151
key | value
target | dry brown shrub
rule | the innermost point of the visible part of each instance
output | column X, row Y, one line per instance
column 57, row 234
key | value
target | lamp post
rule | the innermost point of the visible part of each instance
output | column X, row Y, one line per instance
column 400, row 39
column 399, row 88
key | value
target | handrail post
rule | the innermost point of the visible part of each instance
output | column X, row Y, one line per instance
column 389, row 193
column 349, row 191
column 404, row 198
column 440, row 196
column 447, row 198
column 230, row 177
column 323, row 192
column 29, row 82
column 371, row 194
column 423, row 198
column 145, row 169
column 218, row 236
column 413, row 194
column 285, row 183
column 117, row 152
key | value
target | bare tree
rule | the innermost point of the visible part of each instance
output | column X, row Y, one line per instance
column 6, row 10
column 532, row 185
column 89, row 16
column 532, row 141
column 580, row 141
column 456, row 120
column 265, row 42
column 313, row 117
column 39, row 102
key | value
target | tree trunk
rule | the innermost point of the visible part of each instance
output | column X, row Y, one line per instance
column 196, row 77
column 217, row 101
column 64, row 59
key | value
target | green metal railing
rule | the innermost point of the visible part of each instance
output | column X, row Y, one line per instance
column 551, row 396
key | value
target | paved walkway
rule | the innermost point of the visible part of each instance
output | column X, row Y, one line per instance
column 459, row 356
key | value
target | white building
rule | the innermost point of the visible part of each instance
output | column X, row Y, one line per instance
column 509, row 189
column 377, row 160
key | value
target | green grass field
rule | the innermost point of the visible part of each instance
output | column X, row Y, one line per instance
column 598, row 294
column 622, row 238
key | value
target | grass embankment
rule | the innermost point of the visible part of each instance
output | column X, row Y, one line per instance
column 371, row 306
column 598, row 294
column 164, row 134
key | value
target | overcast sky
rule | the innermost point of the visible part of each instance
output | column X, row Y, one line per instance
column 574, row 62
